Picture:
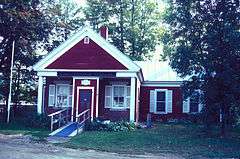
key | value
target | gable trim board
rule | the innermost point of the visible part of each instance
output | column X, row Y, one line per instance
column 162, row 83
column 71, row 42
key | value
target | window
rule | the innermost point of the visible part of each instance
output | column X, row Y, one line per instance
column 60, row 95
column 160, row 101
column 117, row 96
column 194, row 103
column 86, row 40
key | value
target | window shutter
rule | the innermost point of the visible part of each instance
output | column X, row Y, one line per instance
column 169, row 101
column 127, row 94
column 200, row 106
column 70, row 95
column 152, row 101
column 51, row 95
column 108, row 97
column 186, row 105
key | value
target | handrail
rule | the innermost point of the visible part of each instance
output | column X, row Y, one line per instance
column 57, row 112
column 60, row 117
column 84, row 113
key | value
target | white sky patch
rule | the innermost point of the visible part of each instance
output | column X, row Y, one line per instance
column 81, row 2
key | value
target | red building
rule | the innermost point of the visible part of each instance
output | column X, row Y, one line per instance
column 87, row 73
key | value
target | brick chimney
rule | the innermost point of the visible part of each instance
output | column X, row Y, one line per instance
column 104, row 32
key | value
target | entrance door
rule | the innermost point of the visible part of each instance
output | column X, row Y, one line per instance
column 85, row 100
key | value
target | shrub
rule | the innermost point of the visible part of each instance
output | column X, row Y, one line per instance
column 34, row 120
column 97, row 125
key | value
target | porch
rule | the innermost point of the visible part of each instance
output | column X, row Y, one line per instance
column 109, row 98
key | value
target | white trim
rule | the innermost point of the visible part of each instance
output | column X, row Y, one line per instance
column 45, row 73
column 85, row 77
column 97, row 97
column 97, row 89
column 132, row 99
column 155, row 104
column 92, row 102
column 161, row 84
column 54, row 71
column 73, row 97
column 40, row 95
column 64, row 47
column 126, row 74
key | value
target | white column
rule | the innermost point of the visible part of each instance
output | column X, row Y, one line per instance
column 132, row 99
column 40, row 95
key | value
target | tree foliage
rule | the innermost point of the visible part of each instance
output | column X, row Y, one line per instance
column 21, row 21
column 133, row 24
column 202, row 43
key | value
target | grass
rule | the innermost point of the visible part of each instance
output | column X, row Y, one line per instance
column 16, row 128
column 183, row 139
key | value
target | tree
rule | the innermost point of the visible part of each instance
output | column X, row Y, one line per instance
column 21, row 21
column 66, row 16
column 202, row 43
column 133, row 24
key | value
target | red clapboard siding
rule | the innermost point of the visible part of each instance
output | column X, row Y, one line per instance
column 176, row 107
column 107, row 113
column 86, row 56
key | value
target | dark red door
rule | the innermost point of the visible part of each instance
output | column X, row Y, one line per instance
column 85, row 100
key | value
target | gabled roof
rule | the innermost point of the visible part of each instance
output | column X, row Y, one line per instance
column 158, row 71
column 65, row 46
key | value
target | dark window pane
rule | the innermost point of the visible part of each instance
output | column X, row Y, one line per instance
column 194, row 102
column 160, row 96
column 193, row 107
column 161, row 106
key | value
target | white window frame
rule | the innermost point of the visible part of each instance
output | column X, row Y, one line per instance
column 124, row 96
column 86, row 40
column 55, row 95
column 155, row 104
column 125, row 106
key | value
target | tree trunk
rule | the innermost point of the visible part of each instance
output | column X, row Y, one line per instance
column 132, row 28
column 121, row 27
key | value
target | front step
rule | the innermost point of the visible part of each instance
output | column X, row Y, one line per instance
column 68, row 130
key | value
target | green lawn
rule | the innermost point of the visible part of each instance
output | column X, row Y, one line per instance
column 186, row 140
column 16, row 128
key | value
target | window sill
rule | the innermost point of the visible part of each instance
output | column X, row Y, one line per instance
column 193, row 113
column 160, row 113
column 54, row 107
column 118, row 109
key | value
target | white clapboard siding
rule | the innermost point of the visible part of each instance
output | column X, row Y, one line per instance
column 51, row 95
column 186, row 105
column 108, row 97
column 152, row 101
column 169, row 101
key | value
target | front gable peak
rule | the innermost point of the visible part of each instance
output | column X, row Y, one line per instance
column 86, row 50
